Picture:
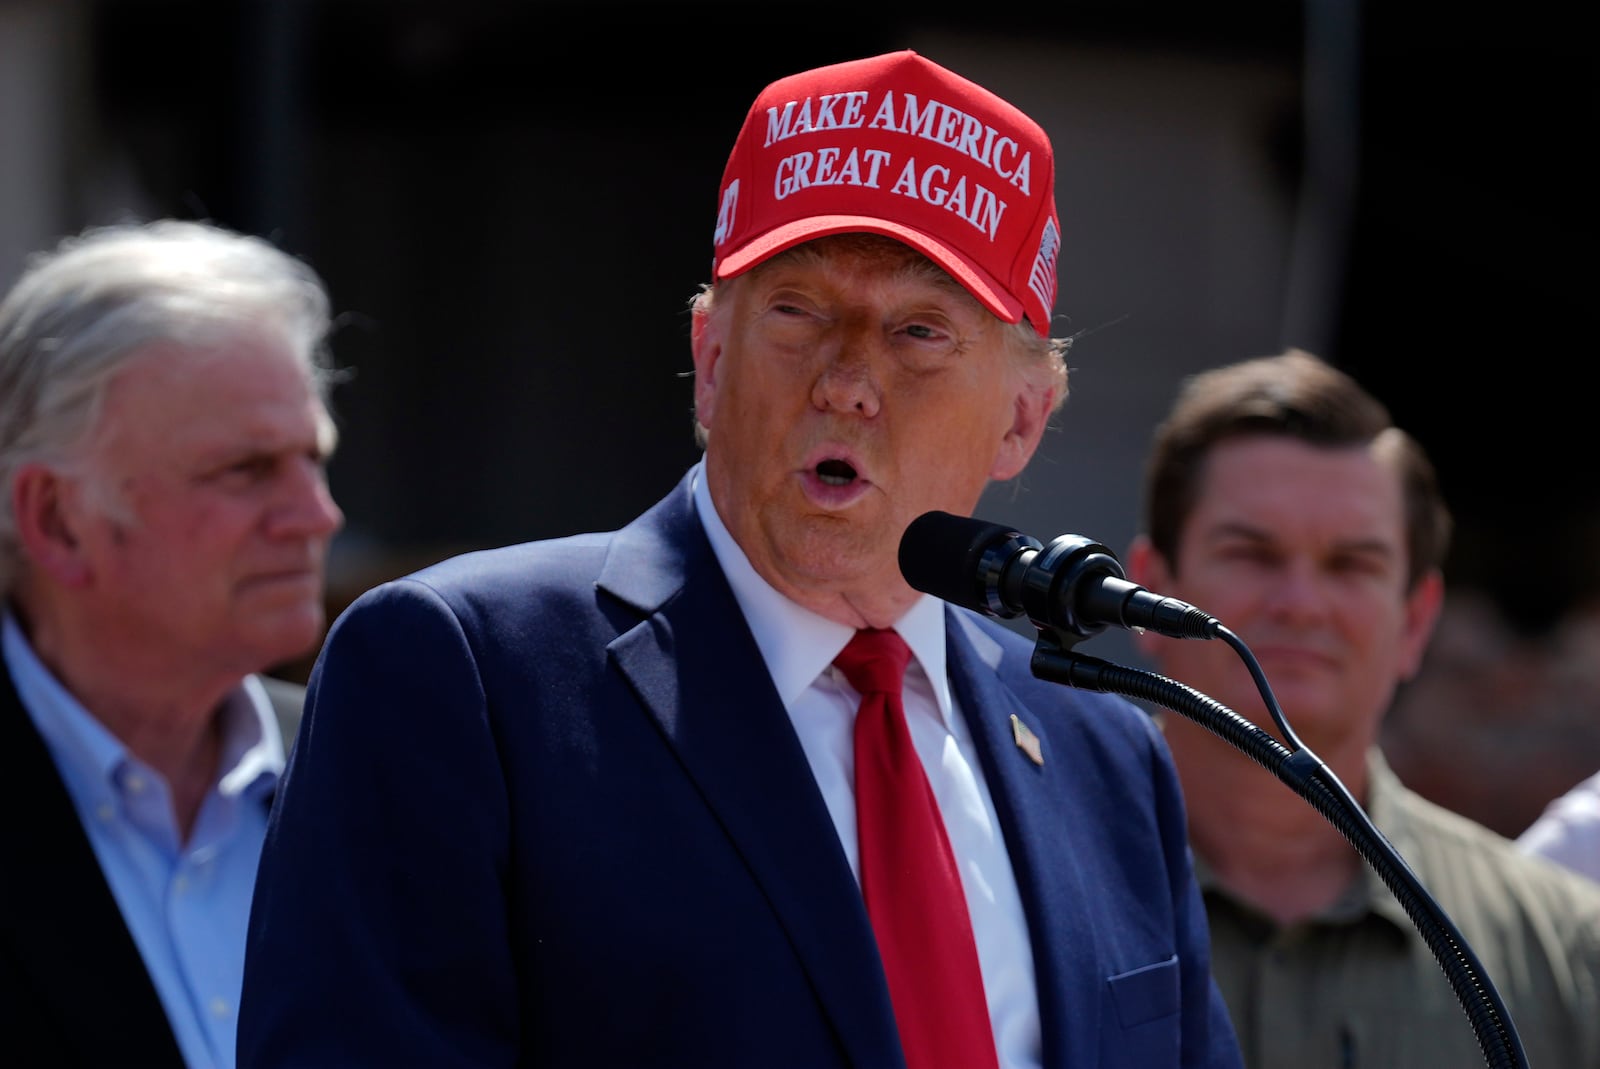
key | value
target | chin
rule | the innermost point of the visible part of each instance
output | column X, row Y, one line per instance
column 830, row 569
column 287, row 636
column 837, row 544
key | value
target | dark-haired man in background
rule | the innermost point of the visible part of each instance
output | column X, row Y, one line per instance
column 1281, row 498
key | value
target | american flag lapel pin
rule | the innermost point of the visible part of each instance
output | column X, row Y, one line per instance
column 1027, row 741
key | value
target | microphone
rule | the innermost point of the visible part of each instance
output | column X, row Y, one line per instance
column 1073, row 584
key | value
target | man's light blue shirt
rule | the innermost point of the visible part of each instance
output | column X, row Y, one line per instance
column 187, row 904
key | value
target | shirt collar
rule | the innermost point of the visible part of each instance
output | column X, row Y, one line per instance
column 797, row 644
column 1368, row 895
column 252, row 743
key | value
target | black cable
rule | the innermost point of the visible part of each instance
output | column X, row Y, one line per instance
column 1306, row 774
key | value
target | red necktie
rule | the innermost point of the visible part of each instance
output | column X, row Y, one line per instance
column 908, row 874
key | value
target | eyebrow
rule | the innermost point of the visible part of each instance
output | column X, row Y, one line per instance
column 1235, row 529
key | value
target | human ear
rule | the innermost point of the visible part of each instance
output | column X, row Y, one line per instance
column 1423, row 604
column 43, row 504
column 705, row 341
column 1030, row 411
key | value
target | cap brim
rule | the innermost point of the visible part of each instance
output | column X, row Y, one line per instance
column 975, row 279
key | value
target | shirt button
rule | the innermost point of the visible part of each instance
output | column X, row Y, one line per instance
column 219, row 1007
column 136, row 783
column 104, row 811
column 180, row 884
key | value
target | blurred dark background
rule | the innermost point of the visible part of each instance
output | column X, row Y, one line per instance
column 513, row 202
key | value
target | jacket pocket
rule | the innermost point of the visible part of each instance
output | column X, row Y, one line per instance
column 1147, row 993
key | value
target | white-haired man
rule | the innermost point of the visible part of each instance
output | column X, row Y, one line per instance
column 163, row 530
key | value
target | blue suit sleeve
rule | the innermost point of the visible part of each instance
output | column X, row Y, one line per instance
column 392, row 814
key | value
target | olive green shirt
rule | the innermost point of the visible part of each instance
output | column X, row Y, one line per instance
column 1358, row 986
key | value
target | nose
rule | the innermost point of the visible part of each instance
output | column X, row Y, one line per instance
column 1296, row 592
column 847, row 381
column 306, row 508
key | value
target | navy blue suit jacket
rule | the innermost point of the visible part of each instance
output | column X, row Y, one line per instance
column 547, row 809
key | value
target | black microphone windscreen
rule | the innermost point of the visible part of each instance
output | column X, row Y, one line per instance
column 942, row 554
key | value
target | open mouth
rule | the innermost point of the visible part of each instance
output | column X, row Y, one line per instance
column 836, row 473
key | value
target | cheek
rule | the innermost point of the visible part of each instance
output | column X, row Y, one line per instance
column 961, row 418
column 1212, row 587
column 761, row 397
column 1367, row 603
column 716, row 384
column 1380, row 629
column 209, row 531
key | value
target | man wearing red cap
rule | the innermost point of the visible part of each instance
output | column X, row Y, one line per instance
column 720, row 789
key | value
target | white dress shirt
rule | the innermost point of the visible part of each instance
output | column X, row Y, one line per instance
column 1568, row 831
column 799, row 647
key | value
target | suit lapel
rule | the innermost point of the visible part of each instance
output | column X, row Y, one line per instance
column 685, row 660
column 1031, row 803
column 65, row 944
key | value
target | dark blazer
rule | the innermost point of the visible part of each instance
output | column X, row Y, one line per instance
column 546, row 808
column 73, row 988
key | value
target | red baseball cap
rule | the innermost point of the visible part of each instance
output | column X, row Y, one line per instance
column 898, row 145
